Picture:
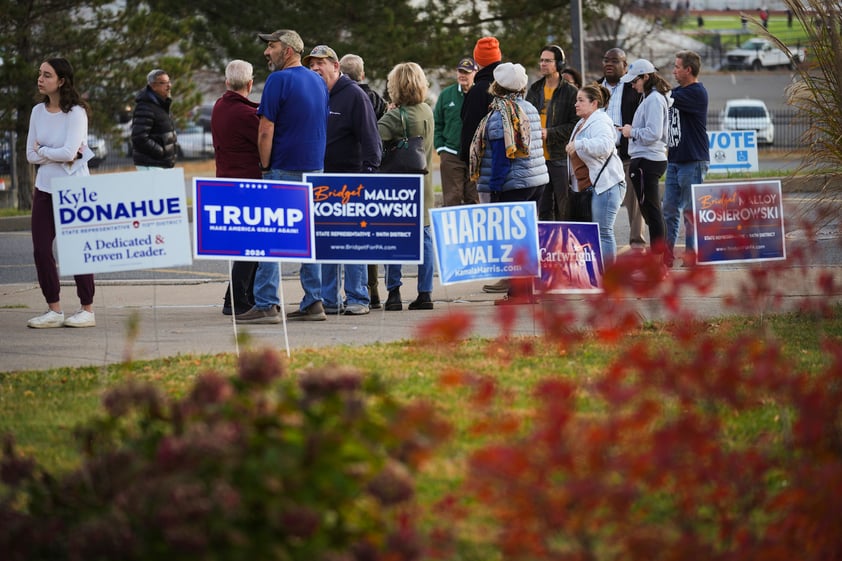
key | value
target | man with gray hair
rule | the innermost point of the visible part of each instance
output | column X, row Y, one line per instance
column 354, row 67
column 234, row 125
column 153, row 130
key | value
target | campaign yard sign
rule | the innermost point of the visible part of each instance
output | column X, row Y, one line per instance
column 733, row 151
column 368, row 218
column 121, row 221
column 739, row 222
column 571, row 257
column 486, row 241
column 253, row 219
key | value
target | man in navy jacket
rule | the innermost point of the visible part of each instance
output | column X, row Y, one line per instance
column 353, row 145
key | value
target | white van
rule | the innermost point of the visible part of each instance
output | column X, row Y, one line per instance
column 749, row 114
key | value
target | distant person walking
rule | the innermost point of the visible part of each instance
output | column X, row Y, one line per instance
column 688, row 153
column 153, row 130
column 234, row 124
column 58, row 134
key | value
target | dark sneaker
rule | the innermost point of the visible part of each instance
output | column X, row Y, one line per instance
column 423, row 302
column 314, row 312
column 393, row 302
column 272, row 314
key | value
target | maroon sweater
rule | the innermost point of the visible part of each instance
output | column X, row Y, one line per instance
column 234, row 123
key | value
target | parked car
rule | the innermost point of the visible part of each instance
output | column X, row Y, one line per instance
column 194, row 143
column 749, row 114
column 760, row 53
column 99, row 147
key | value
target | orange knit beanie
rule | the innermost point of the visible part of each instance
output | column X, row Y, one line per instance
column 487, row 51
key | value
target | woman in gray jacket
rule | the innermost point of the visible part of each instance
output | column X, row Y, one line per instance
column 594, row 164
column 647, row 136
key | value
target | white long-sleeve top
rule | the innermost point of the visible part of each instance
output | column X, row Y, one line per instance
column 59, row 137
column 594, row 143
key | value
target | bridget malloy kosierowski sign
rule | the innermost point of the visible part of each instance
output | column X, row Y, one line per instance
column 121, row 221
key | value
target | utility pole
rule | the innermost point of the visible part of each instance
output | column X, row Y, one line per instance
column 578, row 59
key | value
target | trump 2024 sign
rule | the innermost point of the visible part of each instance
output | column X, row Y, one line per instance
column 253, row 219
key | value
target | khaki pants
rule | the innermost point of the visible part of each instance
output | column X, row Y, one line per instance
column 456, row 188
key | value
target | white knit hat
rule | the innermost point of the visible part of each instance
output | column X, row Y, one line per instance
column 638, row 68
column 511, row 76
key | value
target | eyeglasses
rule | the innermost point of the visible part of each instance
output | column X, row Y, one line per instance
column 636, row 78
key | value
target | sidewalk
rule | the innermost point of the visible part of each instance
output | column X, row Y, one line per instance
column 186, row 318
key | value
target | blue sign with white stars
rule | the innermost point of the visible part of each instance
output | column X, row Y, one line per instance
column 253, row 219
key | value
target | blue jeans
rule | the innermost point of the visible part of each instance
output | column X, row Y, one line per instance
column 267, row 278
column 356, row 285
column 425, row 269
column 604, row 208
column 677, row 200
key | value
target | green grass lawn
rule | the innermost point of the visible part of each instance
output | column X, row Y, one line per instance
column 41, row 408
column 729, row 28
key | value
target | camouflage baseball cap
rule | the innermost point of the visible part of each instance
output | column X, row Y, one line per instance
column 287, row 37
column 320, row 51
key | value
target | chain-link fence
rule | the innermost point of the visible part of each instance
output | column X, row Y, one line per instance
column 790, row 126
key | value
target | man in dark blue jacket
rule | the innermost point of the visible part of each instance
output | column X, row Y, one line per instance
column 353, row 146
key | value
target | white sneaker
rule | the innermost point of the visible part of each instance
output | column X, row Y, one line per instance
column 81, row 318
column 47, row 320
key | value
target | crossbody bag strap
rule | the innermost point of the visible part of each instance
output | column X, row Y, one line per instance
column 603, row 169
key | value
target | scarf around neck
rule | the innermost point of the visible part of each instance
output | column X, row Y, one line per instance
column 517, row 132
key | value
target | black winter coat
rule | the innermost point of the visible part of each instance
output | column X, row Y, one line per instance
column 153, row 131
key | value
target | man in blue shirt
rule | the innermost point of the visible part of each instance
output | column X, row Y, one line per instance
column 688, row 156
column 291, row 141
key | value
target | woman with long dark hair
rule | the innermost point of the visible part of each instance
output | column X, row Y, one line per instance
column 58, row 132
